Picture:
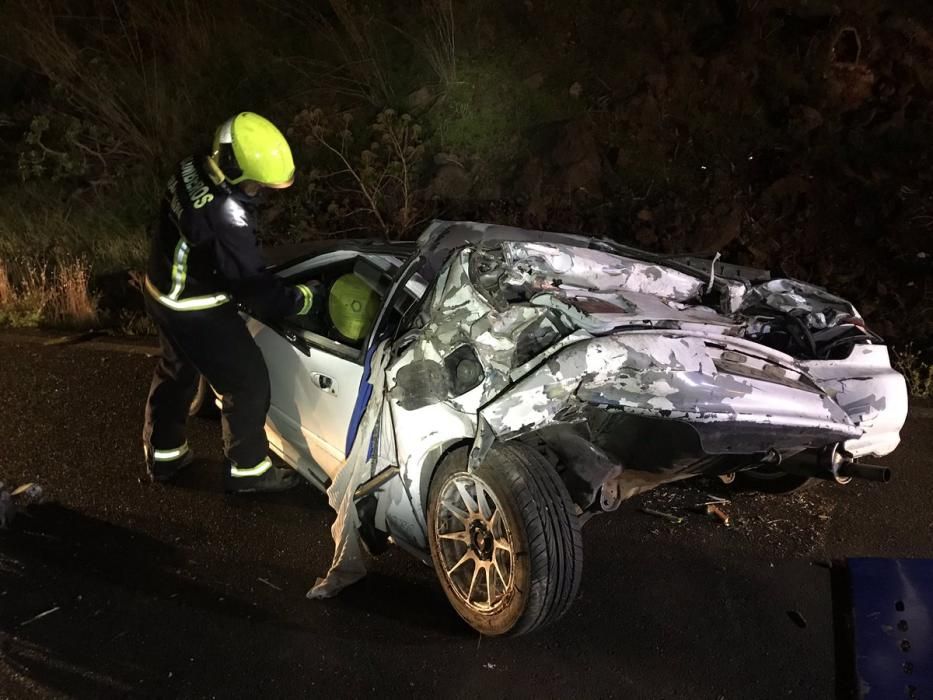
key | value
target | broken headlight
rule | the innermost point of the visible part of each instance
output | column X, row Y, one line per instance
column 486, row 270
column 463, row 370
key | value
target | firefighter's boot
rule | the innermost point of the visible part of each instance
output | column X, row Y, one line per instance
column 164, row 465
column 265, row 476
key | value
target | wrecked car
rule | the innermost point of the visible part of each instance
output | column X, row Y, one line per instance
column 515, row 383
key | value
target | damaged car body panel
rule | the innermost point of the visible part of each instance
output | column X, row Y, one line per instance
column 620, row 369
column 679, row 376
column 524, row 336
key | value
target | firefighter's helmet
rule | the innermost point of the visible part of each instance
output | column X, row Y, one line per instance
column 250, row 147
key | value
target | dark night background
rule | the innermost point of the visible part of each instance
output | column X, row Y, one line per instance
column 795, row 135
column 788, row 134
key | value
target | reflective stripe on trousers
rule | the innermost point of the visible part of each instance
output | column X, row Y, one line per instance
column 169, row 455
column 258, row 470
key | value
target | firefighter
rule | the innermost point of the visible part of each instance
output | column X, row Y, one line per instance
column 204, row 262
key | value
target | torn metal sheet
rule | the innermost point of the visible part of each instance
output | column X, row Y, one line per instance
column 539, row 264
column 821, row 308
column 874, row 395
column 672, row 375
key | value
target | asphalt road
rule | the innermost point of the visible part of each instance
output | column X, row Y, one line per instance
column 183, row 591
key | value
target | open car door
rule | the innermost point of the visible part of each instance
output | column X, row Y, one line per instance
column 315, row 373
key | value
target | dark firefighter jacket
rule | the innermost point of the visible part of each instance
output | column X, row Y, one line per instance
column 204, row 251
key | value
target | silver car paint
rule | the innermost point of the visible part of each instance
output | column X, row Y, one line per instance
column 639, row 343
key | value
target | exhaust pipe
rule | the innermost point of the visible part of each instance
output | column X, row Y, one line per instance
column 871, row 472
column 832, row 464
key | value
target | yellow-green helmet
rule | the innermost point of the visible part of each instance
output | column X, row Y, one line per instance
column 352, row 306
column 250, row 147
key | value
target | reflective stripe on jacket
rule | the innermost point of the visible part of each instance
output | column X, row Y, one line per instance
column 204, row 251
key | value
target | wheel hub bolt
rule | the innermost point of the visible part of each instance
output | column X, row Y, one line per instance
column 481, row 539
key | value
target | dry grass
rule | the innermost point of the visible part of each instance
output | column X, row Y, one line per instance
column 135, row 69
column 73, row 302
column 439, row 44
column 917, row 372
column 57, row 295
column 352, row 60
column 6, row 287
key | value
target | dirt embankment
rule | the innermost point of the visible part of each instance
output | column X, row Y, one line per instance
column 790, row 135
column 787, row 137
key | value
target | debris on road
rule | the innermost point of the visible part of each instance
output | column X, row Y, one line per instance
column 12, row 502
column 74, row 338
column 797, row 618
column 40, row 616
column 670, row 517
column 269, row 583
column 715, row 501
column 719, row 514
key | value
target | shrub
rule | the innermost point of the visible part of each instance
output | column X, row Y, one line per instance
column 917, row 372
column 365, row 179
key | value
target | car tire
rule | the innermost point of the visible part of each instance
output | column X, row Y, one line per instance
column 522, row 534
column 204, row 404
column 773, row 481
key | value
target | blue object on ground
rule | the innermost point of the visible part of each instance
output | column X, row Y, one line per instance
column 892, row 610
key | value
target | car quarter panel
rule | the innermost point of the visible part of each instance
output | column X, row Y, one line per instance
column 871, row 392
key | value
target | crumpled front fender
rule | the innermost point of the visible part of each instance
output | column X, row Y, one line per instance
column 739, row 396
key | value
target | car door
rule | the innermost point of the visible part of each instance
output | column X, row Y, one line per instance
column 314, row 379
column 314, row 392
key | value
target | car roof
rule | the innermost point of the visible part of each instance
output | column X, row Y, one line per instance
column 441, row 235
column 440, row 238
column 289, row 253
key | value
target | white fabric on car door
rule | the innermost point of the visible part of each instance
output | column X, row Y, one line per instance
column 348, row 565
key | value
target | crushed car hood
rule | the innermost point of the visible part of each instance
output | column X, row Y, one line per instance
column 558, row 328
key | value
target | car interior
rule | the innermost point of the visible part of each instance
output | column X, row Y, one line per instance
column 319, row 325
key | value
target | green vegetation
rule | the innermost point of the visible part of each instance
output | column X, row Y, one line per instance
column 789, row 135
column 489, row 110
column 39, row 225
column 917, row 372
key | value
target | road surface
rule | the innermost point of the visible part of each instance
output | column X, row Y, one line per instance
column 156, row 591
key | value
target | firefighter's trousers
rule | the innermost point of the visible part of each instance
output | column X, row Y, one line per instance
column 216, row 344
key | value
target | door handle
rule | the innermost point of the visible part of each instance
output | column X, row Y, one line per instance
column 324, row 383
